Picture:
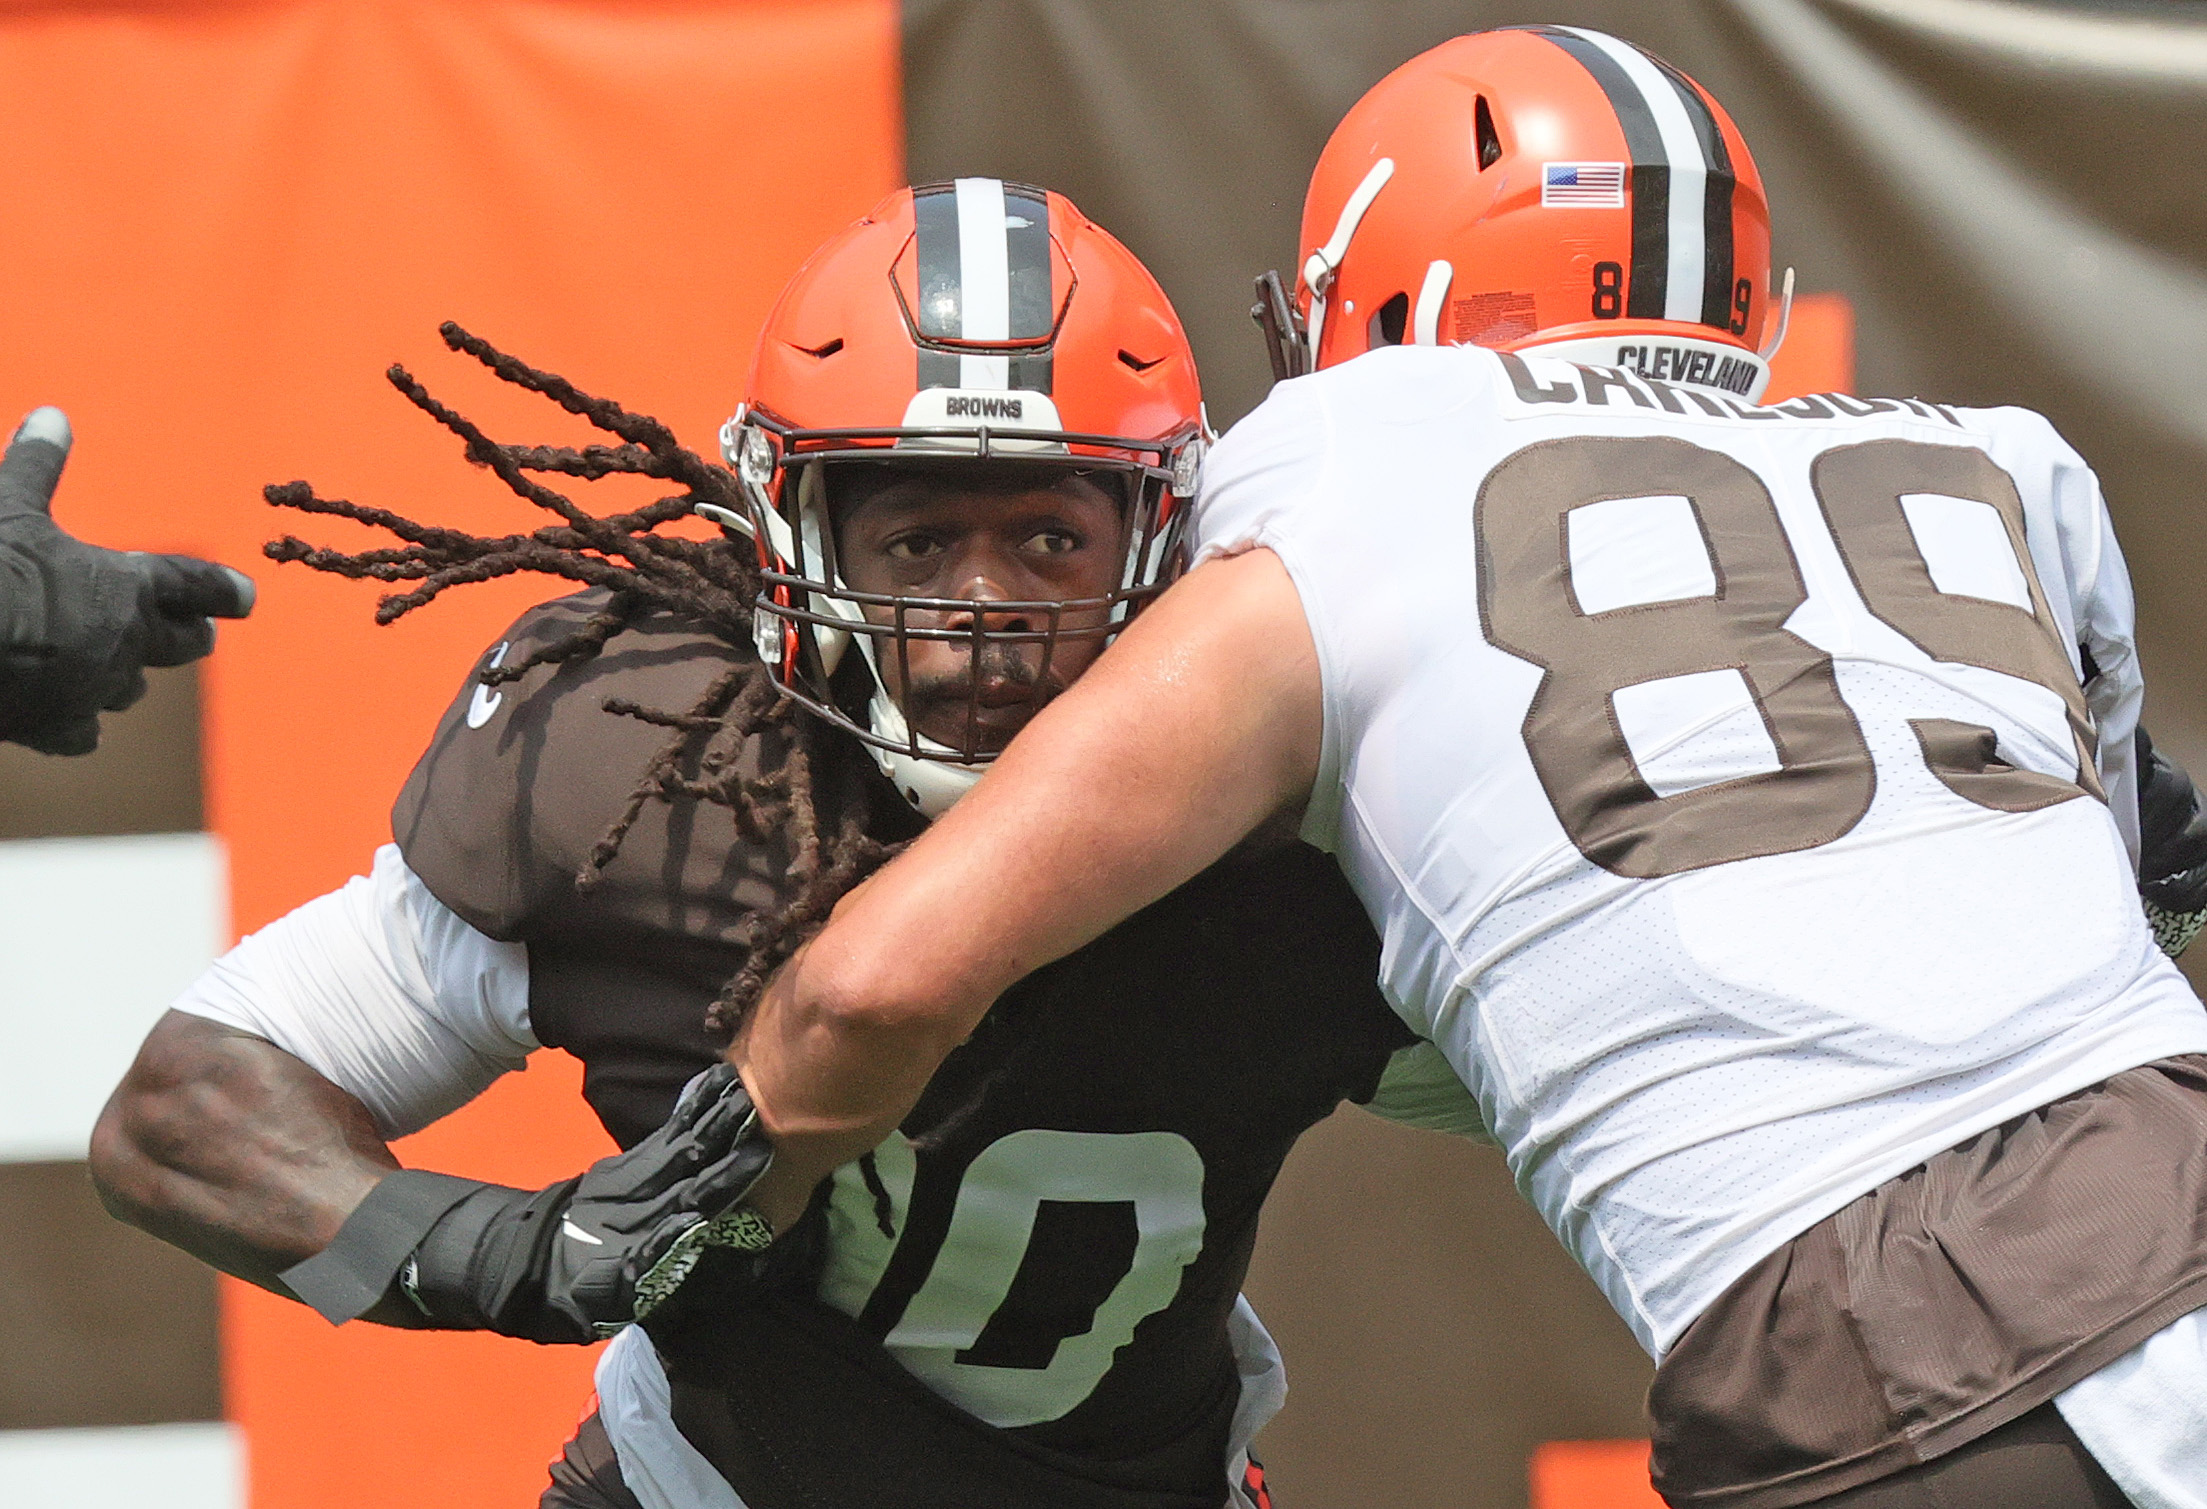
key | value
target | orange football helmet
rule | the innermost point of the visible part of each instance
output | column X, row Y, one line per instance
column 957, row 322
column 1536, row 186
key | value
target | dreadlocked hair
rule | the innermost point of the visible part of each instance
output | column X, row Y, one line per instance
column 714, row 584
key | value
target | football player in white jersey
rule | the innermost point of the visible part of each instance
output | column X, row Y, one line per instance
column 1748, row 799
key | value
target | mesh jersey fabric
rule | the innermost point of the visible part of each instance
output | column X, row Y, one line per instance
column 1921, row 967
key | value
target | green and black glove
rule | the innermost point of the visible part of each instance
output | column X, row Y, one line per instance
column 2172, row 850
column 573, row 1262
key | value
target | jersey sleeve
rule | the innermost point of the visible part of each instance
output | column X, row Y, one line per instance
column 1297, row 477
column 1264, row 467
column 477, row 820
column 525, row 779
column 382, row 990
column 1262, row 489
column 2106, row 627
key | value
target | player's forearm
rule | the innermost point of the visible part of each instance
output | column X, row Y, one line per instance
column 833, row 1072
column 230, row 1148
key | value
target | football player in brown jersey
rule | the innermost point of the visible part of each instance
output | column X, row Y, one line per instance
column 970, row 431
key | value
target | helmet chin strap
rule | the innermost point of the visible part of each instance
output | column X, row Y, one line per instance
column 1320, row 266
column 932, row 786
column 1785, row 320
column 815, row 562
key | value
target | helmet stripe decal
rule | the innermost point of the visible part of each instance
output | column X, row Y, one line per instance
column 1687, row 189
column 983, row 250
column 1716, row 211
column 984, row 277
column 1645, row 287
column 1674, row 177
column 984, row 281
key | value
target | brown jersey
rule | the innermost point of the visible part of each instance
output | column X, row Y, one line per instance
column 1057, row 1240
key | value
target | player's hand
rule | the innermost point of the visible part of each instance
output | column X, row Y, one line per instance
column 2172, row 858
column 78, row 623
column 656, row 1208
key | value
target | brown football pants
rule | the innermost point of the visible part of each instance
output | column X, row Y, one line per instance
column 587, row 1475
column 2035, row 1462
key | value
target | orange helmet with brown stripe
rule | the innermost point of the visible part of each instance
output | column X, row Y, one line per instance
column 955, row 325
column 1541, row 186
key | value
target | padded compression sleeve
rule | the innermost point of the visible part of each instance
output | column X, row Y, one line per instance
column 383, row 991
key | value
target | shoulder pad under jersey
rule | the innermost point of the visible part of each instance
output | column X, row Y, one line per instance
column 523, row 779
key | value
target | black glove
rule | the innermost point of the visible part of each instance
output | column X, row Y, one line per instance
column 571, row 1263
column 2172, row 849
column 77, row 622
column 725, row 1275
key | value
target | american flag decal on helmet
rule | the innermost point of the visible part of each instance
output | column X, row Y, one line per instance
column 1582, row 185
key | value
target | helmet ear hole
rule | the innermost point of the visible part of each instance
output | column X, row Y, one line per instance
column 1388, row 322
column 1484, row 135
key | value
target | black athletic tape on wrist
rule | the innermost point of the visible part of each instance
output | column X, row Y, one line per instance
column 484, row 1264
column 345, row 1279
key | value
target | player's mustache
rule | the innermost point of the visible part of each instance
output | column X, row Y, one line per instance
column 1001, row 674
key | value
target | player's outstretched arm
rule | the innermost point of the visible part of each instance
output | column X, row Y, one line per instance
column 252, row 1132
column 244, row 1156
column 1203, row 720
column 230, row 1148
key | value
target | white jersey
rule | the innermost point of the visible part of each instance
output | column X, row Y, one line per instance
column 1718, row 778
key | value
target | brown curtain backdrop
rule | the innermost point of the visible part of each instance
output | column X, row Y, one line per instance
column 2014, row 199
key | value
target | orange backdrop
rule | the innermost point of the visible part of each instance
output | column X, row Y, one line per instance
column 222, row 221
column 1818, row 354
